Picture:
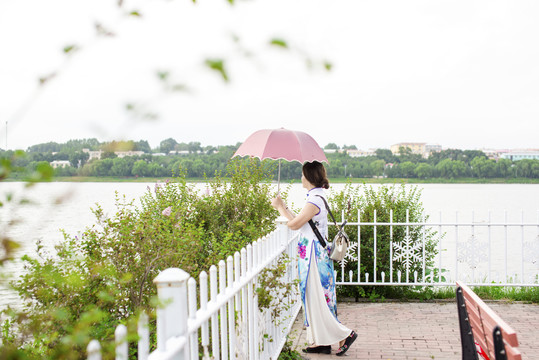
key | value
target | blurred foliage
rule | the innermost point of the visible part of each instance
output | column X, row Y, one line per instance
column 103, row 278
column 42, row 171
column 219, row 66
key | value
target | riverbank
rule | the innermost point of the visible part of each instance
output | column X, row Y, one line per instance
column 340, row 180
column 436, row 181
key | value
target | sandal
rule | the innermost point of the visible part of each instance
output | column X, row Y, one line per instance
column 347, row 343
column 323, row 349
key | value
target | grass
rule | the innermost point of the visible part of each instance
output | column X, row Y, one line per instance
column 426, row 293
column 337, row 180
column 506, row 293
column 526, row 294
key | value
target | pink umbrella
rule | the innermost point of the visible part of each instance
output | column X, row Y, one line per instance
column 283, row 144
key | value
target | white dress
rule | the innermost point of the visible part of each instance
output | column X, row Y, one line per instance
column 323, row 328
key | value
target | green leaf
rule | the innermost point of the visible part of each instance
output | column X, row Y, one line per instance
column 61, row 314
column 217, row 65
column 10, row 245
column 105, row 296
column 70, row 48
column 279, row 42
column 163, row 75
column 45, row 170
column 328, row 65
column 126, row 278
column 25, row 201
column 135, row 13
column 44, row 79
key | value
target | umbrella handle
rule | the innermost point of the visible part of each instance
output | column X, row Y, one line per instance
column 279, row 179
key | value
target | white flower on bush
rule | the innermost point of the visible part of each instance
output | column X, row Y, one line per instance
column 167, row 211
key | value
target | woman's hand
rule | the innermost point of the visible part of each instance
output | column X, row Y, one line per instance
column 278, row 203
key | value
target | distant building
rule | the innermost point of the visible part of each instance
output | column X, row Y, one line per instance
column 178, row 152
column 361, row 153
column 416, row 148
column 422, row 149
column 94, row 154
column 159, row 154
column 494, row 154
column 60, row 163
column 431, row 148
column 517, row 155
column 331, row 151
column 122, row 154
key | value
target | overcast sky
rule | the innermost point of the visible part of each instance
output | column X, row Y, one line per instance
column 462, row 74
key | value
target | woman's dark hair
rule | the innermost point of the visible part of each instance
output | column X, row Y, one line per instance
column 315, row 173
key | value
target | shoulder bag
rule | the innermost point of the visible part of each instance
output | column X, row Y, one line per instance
column 340, row 241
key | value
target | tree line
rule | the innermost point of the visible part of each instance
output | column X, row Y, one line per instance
column 195, row 161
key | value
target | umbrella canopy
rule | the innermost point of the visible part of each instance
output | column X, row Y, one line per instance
column 282, row 144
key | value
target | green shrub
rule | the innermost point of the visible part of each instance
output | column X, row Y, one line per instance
column 104, row 278
column 398, row 199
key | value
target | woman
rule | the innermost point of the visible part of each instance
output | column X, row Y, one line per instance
column 317, row 279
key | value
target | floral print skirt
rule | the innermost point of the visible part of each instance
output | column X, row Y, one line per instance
column 311, row 250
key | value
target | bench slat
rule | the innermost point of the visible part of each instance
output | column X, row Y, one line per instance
column 513, row 353
column 477, row 328
column 483, row 320
column 490, row 318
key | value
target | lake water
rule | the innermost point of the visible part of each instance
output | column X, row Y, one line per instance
column 68, row 206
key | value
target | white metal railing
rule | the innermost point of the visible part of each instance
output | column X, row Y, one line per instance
column 480, row 252
column 228, row 324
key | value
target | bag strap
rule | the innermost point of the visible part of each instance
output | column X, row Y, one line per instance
column 329, row 211
column 317, row 233
column 340, row 228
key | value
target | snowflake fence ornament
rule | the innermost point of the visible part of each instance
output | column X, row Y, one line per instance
column 407, row 252
column 531, row 252
column 472, row 252
column 418, row 251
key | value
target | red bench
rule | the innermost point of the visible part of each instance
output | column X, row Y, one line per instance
column 483, row 334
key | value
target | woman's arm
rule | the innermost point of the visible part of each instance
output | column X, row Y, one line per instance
column 306, row 214
column 295, row 222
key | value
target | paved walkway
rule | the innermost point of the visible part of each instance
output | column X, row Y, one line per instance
column 430, row 330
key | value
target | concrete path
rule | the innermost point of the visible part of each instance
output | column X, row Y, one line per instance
column 429, row 330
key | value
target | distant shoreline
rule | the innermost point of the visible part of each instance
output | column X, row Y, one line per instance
column 341, row 180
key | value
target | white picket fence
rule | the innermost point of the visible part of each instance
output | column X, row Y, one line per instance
column 478, row 250
column 227, row 323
